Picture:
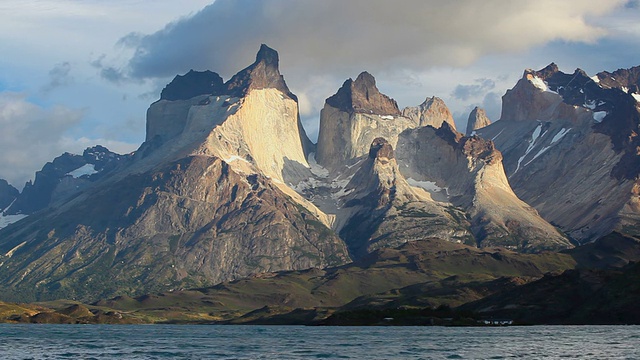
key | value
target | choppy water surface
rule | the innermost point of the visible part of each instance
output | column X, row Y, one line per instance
column 297, row 342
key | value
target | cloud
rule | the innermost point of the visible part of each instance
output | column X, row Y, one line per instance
column 632, row 4
column 480, row 87
column 32, row 135
column 322, row 36
column 59, row 76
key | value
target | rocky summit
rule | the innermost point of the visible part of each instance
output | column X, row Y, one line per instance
column 570, row 149
column 227, row 186
column 477, row 120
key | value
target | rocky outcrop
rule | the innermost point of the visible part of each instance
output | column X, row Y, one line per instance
column 192, row 84
column 252, row 123
column 64, row 177
column 477, row 120
column 262, row 74
column 433, row 111
column 352, row 118
column 471, row 171
column 7, row 194
column 363, row 96
column 627, row 80
column 569, row 149
column 385, row 211
column 202, row 201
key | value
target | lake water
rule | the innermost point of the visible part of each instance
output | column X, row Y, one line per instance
column 298, row 342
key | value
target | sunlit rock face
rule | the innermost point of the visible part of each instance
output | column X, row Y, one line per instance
column 477, row 120
column 358, row 113
column 385, row 210
column 433, row 111
column 203, row 200
column 470, row 168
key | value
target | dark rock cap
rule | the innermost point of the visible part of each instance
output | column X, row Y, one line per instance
column 363, row 96
column 191, row 84
column 380, row 148
column 262, row 74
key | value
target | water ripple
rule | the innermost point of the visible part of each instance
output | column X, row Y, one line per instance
column 100, row 342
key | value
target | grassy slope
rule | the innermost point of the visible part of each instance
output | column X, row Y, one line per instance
column 386, row 273
column 417, row 275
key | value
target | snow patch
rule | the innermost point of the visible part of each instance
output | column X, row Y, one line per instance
column 386, row 117
column 86, row 169
column 539, row 83
column 315, row 168
column 560, row 135
column 542, row 151
column 590, row 104
column 495, row 137
column 8, row 207
column 532, row 144
column 235, row 158
column 358, row 162
column 625, row 89
column 595, row 79
column 636, row 96
column 427, row 185
column 598, row 116
column 6, row 220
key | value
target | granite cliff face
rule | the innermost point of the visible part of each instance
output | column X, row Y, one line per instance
column 251, row 121
column 439, row 184
column 227, row 184
column 477, row 120
column 570, row 148
column 358, row 113
column 386, row 211
column 471, row 171
column 202, row 201
column 352, row 118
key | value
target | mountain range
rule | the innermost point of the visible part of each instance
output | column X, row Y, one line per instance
column 227, row 186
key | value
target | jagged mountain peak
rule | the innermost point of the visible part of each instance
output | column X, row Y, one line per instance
column 628, row 79
column 363, row 96
column 66, row 176
column 477, row 120
column 545, row 72
column 264, row 73
column 267, row 55
column 380, row 148
column 449, row 133
column 582, row 130
column 607, row 104
column 433, row 111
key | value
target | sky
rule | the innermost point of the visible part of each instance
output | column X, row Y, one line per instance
column 77, row 73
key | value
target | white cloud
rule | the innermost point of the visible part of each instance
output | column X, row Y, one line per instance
column 32, row 135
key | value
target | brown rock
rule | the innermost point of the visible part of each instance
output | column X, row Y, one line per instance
column 362, row 96
column 477, row 120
